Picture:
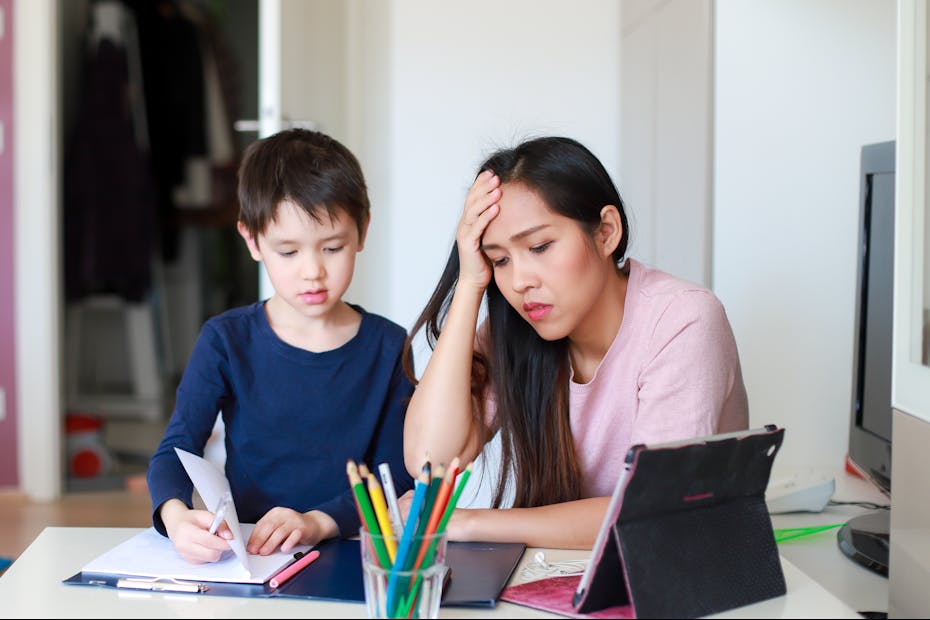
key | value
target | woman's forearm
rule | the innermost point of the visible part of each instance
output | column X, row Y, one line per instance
column 569, row 525
column 439, row 417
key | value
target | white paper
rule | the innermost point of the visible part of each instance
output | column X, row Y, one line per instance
column 149, row 554
column 211, row 484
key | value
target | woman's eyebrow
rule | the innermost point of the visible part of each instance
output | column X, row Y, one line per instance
column 516, row 237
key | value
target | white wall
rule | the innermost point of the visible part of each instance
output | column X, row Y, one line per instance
column 466, row 78
column 665, row 176
column 800, row 87
column 431, row 89
column 435, row 88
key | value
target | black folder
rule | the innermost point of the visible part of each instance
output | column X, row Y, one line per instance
column 478, row 574
column 688, row 532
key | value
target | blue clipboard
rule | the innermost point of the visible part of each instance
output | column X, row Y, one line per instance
column 479, row 573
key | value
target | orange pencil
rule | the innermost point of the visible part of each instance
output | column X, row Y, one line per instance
column 439, row 507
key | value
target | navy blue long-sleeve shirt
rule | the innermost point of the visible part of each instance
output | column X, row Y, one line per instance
column 293, row 417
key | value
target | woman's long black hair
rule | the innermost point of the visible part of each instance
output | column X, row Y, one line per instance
column 528, row 374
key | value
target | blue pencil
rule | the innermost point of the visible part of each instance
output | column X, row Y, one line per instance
column 406, row 541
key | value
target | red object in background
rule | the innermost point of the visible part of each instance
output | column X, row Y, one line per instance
column 851, row 468
column 79, row 423
column 87, row 456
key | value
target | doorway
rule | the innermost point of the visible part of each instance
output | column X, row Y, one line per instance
column 150, row 92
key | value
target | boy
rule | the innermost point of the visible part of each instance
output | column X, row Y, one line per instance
column 304, row 380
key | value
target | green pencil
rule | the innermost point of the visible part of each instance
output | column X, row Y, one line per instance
column 438, row 474
column 450, row 507
column 440, row 529
column 447, row 513
column 368, row 514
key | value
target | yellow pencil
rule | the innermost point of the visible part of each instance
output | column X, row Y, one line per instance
column 381, row 513
column 365, row 511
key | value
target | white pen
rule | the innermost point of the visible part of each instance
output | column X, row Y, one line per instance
column 220, row 512
column 387, row 481
column 161, row 586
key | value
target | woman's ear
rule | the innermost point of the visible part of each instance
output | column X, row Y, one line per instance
column 250, row 241
column 609, row 231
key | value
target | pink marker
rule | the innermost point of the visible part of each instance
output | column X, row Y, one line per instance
column 279, row 579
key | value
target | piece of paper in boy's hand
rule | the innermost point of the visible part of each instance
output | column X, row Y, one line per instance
column 151, row 555
column 212, row 485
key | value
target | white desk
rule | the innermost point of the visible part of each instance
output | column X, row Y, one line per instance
column 32, row 588
column 819, row 556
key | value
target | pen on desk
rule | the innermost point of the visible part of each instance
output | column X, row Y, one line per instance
column 160, row 586
column 279, row 579
column 221, row 509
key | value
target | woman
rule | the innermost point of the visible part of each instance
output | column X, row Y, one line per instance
column 584, row 351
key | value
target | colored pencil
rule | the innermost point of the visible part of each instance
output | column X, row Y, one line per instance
column 403, row 549
column 368, row 516
column 438, row 474
column 381, row 513
column 443, row 509
column 443, row 494
column 454, row 500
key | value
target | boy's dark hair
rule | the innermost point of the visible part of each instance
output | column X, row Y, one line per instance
column 308, row 168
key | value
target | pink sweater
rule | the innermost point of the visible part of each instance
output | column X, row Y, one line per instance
column 672, row 373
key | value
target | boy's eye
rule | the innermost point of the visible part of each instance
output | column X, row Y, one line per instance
column 288, row 253
column 539, row 249
column 334, row 249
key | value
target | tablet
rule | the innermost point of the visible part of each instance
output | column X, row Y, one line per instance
column 687, row 532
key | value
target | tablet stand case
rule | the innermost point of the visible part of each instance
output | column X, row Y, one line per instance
column 692, row 535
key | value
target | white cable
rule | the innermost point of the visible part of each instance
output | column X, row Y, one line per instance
column 540, row 568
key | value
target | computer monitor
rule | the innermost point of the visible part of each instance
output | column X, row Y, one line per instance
column 865, row 538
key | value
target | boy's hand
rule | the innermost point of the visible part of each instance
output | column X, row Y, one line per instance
column 481, row 207
column 286, row 528
column 189, row 531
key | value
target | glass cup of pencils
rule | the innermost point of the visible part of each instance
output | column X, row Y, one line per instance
column 404, row 560
column 408, row 586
